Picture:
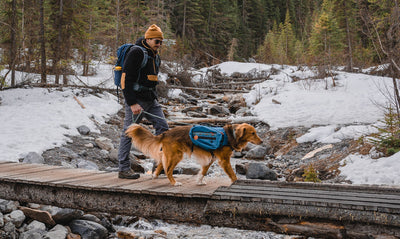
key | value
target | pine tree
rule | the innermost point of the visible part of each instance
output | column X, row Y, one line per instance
column 327, row 37
column 288, row 40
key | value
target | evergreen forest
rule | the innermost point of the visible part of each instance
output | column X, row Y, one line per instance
column 50, row 36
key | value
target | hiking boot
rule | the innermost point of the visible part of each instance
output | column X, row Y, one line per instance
column 128, row 174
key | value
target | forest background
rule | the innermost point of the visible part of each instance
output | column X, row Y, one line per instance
column 49, row 36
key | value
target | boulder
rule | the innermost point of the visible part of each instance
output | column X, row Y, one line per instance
column 260, row 171
column 257, row 152
column 33, row 157
column 57, row 232
column 65, row 215
column 104, row 143
column 85, row 164
column 7, row 206
column 16, row 217
column 88, row 229
column 83, row 130
column 39, row 215
column 36, row 226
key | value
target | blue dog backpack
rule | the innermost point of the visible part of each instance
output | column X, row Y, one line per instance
column 208, row 138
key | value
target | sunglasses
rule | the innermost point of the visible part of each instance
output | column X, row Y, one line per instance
column 156, row 41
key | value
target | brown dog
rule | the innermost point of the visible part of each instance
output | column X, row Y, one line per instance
column 169, row 148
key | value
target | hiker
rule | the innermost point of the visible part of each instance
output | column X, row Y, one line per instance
column 138, row 86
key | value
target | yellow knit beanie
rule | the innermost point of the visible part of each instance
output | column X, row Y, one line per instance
column 153, row 32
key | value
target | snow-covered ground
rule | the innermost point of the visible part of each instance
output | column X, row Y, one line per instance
column 35, row 119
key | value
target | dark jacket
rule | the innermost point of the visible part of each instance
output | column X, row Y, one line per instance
column 131, row 68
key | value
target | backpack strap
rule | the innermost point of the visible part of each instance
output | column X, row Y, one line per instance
column 144, row 62
column 145, row 56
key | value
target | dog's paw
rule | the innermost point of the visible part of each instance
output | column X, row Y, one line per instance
column 201, row 181
column 154, row 176
column 177, row 184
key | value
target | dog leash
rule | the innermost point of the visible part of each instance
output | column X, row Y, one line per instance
column 156, row 116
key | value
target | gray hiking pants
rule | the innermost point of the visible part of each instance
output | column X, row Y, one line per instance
column 160, row 125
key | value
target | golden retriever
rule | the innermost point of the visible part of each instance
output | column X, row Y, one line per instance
column 169, row 148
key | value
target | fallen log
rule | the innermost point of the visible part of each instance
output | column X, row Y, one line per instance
column 207, row 89
column 220, row 121
column 229, row 78
column 239, row 83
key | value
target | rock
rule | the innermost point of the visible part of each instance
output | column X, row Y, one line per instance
column 83, row 130
column 16, row 217
column 85, row 164
column 36, row 226
column 136, row 167
column 107, row 224
column 218, row 110
column 88, row 229
column 68, row 153
column 104, row 143
column 57, row 232
column 197, row 109
column 142, row 224
column 39, row 215
column 9, row 227
column 90, row 217
column 89, row 145
column 124, row 220
column 126, row 235
column 237, row 154
column 113, row 155
column 73, row 236
column 243, row 112
column 260, row 171
column 65, row 215
column 161, row 232
column 242, row 168
column 33, row 157
column 257, row 152
column 8, row 206
column 137, row 154
column 1, row 220
column 190, row 170
column 196, row 115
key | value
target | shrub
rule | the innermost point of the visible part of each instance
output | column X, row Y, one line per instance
column 388, row 139
column 311, row 175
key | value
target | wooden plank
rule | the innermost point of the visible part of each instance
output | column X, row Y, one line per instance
column 325, row 186
column 7, row 163
column 24, row 171
column 388, row 195
column 17, row 166
column 37, row 174
column 71, row 176
column 368, row 197
column 280, row 199
column 90, row 181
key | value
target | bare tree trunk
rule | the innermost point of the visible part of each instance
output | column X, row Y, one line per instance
column 42, row 45
column 13, row 47
column 117, row 27
column 184, row 20
column 56, row 63
column 349, row 46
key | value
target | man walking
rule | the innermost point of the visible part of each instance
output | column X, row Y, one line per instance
column 138, row 86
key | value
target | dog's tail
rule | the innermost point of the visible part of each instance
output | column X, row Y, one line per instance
column 145, row 141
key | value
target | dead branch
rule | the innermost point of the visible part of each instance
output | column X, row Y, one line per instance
column 79, row 102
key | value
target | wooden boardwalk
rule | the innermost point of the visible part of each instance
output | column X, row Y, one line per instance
column 331, row 210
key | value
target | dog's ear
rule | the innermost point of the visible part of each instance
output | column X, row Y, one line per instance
column 240, row 131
